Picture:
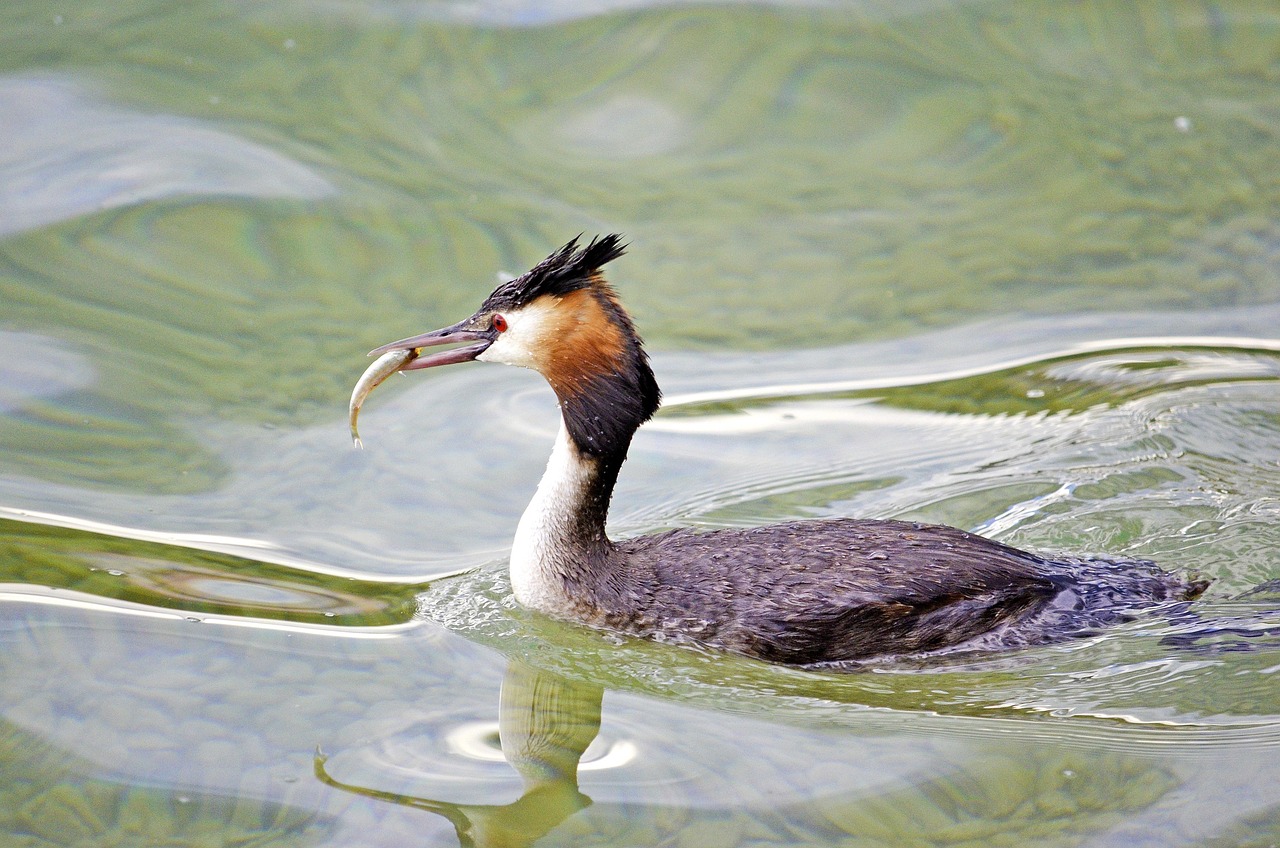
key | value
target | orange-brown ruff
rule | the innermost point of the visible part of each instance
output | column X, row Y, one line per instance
column 807, row 592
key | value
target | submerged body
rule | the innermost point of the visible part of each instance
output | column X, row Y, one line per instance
column 805, row 593
column 820, row 592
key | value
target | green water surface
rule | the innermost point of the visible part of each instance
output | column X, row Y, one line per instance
column 1012, row 267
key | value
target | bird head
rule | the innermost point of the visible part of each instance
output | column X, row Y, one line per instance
column 563, row 320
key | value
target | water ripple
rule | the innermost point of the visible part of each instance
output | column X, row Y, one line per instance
column 64, row 154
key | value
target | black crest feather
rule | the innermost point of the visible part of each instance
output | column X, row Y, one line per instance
column 568, row 269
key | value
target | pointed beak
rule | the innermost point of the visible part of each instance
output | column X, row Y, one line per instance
column 458, row 333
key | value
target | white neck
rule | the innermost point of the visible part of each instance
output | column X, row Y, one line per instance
column 543, row 546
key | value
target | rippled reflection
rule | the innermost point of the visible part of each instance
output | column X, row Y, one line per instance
column 100, row 811
column 1108, row 373
column 1012, row 267
column 155, row 574
column 545, row 726
column 542, row 752
column 34, row 366
column 51, row 170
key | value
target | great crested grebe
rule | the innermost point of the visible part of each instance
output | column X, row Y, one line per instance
column 822, row 592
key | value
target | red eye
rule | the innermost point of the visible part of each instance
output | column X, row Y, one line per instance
column 499, row 323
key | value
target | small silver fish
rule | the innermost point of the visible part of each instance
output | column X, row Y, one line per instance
column 382, row 368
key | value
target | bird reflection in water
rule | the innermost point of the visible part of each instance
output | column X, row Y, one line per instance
column 545, row 724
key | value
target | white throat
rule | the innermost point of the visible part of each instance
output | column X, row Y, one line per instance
column 542, row 546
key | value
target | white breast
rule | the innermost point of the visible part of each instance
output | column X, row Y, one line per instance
column 543, row 537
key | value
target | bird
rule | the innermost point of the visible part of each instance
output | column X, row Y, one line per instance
column 816, row 593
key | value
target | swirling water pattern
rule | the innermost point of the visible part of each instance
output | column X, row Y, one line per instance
column 1012, row 268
